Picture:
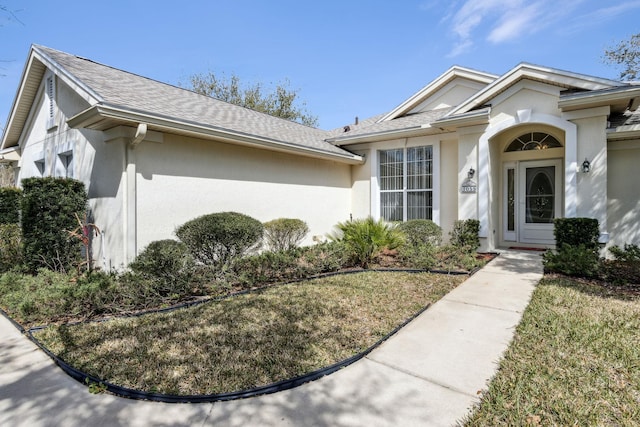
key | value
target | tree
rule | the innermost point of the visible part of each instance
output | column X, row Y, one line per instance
column 280, row 101
column 626, row 54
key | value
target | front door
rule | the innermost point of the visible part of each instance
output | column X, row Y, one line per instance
column 533, row 198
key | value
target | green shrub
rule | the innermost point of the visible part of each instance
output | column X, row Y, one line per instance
column 465, row 234
column 421, row 231
column 49, row 209
column 422, row 256
column 366, row 238
column 268, row 267
column 10, row 205
column 324, row 257
column 629, row 254
column 625, row 266
column 220, row 238
column 10, row 246
column 167, row 262
column 577, row 249
column 576, row 232
column 284, row 233
column 580, row 261
column 52, row 296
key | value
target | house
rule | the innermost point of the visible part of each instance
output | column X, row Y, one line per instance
column 514, row 151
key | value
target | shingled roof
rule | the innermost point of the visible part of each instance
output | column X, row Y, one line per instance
column 118, row 90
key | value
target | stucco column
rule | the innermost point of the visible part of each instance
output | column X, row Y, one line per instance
column 591, row 187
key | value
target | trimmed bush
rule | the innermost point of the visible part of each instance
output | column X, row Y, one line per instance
column 167, row 262
column 283, row 234
column 578, row 261
column 577, row 248
column 421, row 231
column 576, row 232
column 10, row 205
column 366, row 238
column 218, row 239
column 10, row 246
column 49, row 209
column 465, row 234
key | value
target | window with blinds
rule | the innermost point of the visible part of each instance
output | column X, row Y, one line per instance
column 406, row 183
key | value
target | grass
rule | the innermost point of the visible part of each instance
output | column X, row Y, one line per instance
column 249, row 340
column 575, row 360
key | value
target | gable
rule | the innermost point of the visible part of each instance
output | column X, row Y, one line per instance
column 453, row 93
column 451, row 88
column 550, row 76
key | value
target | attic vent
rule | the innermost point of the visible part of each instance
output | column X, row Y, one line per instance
column 347, row 128
column 51, row 96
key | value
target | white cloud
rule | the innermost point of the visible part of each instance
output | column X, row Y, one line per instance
column 515, row 23
column 500, row 21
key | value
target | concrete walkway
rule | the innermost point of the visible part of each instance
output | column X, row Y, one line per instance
column 428, row 374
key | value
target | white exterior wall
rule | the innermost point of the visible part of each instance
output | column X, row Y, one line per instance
column 183, row 178
column 361, row 184
column 592, row 186
column 449, row 185
column 623, row 192
column 88, row 149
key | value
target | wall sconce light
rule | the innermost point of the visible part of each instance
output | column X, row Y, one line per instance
column 586, row 166
column 471, row 173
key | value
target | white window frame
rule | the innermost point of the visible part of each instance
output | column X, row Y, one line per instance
column 435, row 181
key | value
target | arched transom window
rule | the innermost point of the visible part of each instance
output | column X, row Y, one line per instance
column 533, row 141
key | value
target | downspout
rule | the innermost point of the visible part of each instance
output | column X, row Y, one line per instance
column 130, row 198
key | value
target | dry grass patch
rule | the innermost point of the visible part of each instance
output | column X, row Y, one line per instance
column 249, row 340
column 575, row 360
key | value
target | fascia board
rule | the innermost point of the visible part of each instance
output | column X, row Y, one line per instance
column 26, row 71
column 589, row 98
column 98, row 112
column 535, row 72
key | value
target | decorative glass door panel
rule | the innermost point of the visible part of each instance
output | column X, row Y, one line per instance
column 539, row 200
column 540, row 196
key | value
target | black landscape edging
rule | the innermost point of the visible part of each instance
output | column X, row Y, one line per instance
column 87, row 379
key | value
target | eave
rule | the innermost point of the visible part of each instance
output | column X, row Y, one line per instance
column 622, row 98
column 623, row 132
column 473, row 118
column 104, row 116
column 425, row 129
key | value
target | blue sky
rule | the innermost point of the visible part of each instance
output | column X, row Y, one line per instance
column 347, row 58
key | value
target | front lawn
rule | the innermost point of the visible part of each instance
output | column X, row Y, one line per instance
column 575, row 360
column 248, row 340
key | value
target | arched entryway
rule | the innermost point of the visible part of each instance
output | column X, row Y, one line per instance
column 531, row 184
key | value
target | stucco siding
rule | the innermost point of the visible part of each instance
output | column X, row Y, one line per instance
column 449, row 187
column 592, row 186
column 361, row 186
column 623, row 204
column 182, row 178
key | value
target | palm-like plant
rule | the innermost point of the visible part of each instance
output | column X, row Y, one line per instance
column 366, row 238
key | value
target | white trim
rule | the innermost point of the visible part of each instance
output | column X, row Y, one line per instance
column 509, row 236
column 375, row 187
column 435, row 182
column 539, row 229
column 435, row 179
column 570, row 162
